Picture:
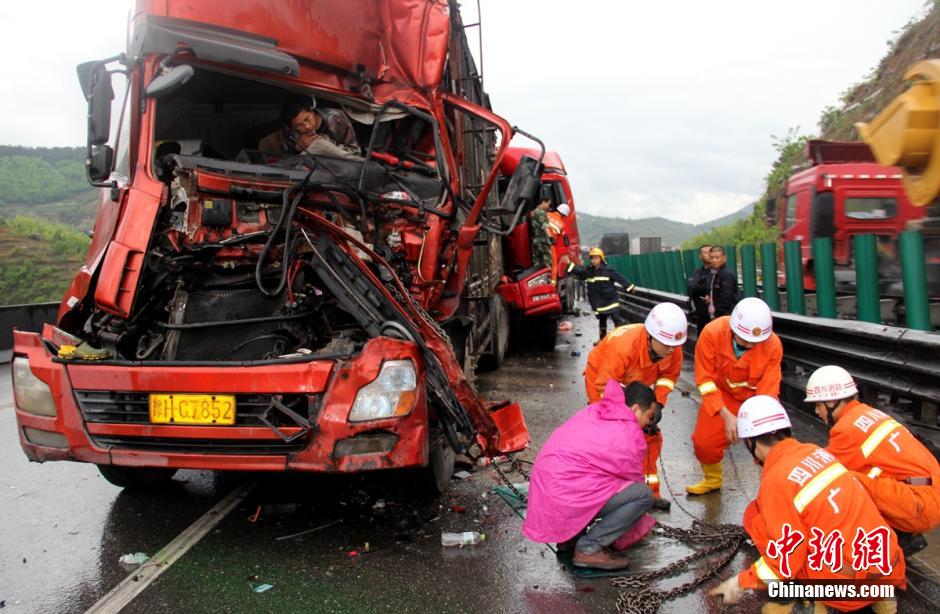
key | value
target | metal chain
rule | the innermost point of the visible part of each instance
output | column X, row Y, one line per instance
column 640, row 597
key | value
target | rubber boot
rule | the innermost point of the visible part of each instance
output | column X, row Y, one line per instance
column 712, row 481
column 888, row 606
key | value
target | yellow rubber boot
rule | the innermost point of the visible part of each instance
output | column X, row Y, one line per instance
column 888, row 606
column 711, row 482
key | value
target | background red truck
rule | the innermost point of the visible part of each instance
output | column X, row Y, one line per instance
column 243, row 308
column 535, row 303
column 844, row 192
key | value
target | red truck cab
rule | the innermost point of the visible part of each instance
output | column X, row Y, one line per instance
column 844, row 193
column 528, row 290
column 279, row 308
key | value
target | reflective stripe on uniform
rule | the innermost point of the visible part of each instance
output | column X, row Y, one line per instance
column 874, row 472
column 570, row 266
column 632, row 286
column 652, row 479
column 591, row 280
column 733, row 385
column 668, row 383
column 764, row 571
column 884, row 429
column 707, row 388
column 607, row 308
column 819, row 483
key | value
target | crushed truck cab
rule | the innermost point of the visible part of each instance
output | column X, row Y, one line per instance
column 259, row 299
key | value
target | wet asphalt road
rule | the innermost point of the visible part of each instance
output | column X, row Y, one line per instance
column 63, row 527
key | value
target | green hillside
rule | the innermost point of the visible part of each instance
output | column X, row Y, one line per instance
column 38, row 259
column 592, row 227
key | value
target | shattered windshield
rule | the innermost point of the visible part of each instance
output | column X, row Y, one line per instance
column 224, row 117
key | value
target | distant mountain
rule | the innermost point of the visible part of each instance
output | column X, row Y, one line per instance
column 591, row 227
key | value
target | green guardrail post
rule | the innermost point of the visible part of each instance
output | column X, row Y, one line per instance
column 768, row 269
column 914, row 273
column 678, row 277
column 867, row 294
column 824, row 269
column 643, row 266
column 731, row 253
column 690, row 258
column 749, row 269
column 661, row 282
column 793, row 265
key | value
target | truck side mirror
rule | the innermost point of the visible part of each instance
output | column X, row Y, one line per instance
column 524, row 185
column 99, row 107
column 98, row 163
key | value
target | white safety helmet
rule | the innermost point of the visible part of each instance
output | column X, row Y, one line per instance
column 751, row 320
column 667, row 324
column 564, row 209
column 830, row 383
column 761, row 414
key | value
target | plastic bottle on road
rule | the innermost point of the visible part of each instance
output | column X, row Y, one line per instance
column 467, row 538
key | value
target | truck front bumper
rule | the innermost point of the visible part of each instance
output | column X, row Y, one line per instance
column 102, row 414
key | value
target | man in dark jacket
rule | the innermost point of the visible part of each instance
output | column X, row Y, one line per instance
column 723, row 292
column 602, row 280
column 699, row 285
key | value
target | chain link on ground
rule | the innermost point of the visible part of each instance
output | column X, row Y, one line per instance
column 639, row 596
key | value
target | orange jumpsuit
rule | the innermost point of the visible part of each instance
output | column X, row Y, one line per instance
column 555, row 228
column 726, row 381
column 623, row 355
column 885, row 453
column 804, row 486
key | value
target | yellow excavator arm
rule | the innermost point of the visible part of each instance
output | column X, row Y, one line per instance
column 907, row 133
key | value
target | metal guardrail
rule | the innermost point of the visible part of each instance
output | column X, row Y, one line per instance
column 897, row 369
column 23, row 317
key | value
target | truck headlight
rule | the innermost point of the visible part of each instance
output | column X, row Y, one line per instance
column 389, row 395
column 544, row 279
column 31, row 393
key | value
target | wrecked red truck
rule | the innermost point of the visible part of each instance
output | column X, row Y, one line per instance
column 245, row 307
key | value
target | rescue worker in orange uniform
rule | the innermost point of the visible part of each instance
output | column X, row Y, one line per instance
column 900, row 473
column 736, row 357
column 805, row 492
column 555, row 229
column 652, row 354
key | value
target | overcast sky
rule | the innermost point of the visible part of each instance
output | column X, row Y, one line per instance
column 658, row 108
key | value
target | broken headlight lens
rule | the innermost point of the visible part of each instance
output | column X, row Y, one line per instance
column 31, row 393
column 539, row 280
column 391, row 394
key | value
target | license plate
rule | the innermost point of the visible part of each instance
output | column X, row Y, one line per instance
column 206, row 409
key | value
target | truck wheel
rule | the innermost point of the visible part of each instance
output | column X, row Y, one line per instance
column 136, row 478
column 440, row 467
column 546, row 334
column 500, row 330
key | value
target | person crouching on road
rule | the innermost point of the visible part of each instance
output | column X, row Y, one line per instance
column 736, row 357
column 602, row 280
column 812, row 520
column 650, row 353
column 591, row 469
column 898, row 471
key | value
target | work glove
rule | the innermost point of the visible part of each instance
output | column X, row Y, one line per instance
column 730, row 591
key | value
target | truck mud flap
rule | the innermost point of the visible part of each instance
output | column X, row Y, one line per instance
column 464, row 416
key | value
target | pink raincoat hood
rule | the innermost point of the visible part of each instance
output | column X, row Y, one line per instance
column 597, row 453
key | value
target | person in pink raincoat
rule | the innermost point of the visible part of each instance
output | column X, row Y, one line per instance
column 591, row 468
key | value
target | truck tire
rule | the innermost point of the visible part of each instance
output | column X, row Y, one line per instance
column 501, row 328
column 440, row 467
column 136, row 478
column 546, row 330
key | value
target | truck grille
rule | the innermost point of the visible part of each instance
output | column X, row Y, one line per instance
column 116, row 407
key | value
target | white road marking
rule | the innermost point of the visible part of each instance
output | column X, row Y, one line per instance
column 134, row 584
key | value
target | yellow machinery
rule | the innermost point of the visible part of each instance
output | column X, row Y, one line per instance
column 907, row 133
